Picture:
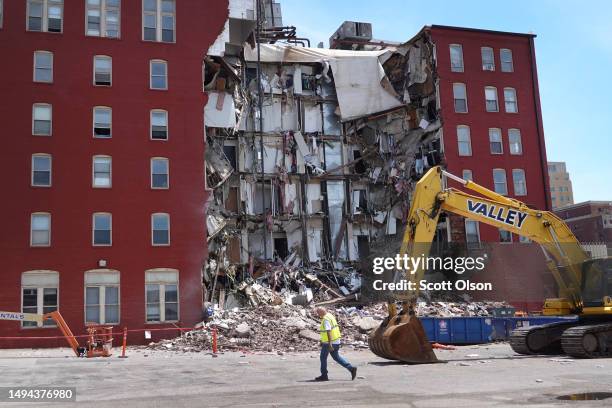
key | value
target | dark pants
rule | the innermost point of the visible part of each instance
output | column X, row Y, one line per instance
column 335, row 355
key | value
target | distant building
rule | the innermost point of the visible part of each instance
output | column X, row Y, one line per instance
column 590, row 221
column 561, row 192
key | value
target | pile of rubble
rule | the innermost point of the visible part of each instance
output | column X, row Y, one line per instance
column 285, row 328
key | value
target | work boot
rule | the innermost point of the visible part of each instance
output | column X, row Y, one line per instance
column 353, row 373
column 322, row 378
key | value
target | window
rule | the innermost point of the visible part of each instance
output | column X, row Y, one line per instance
column 159, row 74
column 41, row 119
column 467, row 175
column 102, row 229
column 505, row 56
column 103, row 118
column 159, row 125
column 460, row 96
column 463, row 140
column 472, row 233
column 499, row 181
column 491, row 99
column 520, row 185
column 103, row 18
column 103, row 70
column 505, row 236
column 40, row 229
column 158, row 20
column 514, row 139
column 160, row 229
column 39, row 295
column 45, row 15
column 41, row 170
column 102, row 297
column 102, row 171
column 43, row 66
column 495, row 141
column 510, row 100
column 160, row 177
column 1, row 12
column 488, row 62
column 162, row 300
column 456, row 56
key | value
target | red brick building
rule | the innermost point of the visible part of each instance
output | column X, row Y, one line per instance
column 590, row 221
column 104, row 206
column 493, row 134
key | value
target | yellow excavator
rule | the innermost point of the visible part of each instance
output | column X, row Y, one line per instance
column 585, row 285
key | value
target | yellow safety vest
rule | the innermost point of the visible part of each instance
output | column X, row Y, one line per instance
column 335, row 331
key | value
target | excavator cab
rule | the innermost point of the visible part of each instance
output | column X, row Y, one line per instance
column 597, row 283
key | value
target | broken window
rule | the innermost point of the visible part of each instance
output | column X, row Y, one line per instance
column 495, row 141
column 43, row 66
column 472, row 233
column 488, row 61
column 41, row 119
column 102, row 122
column 467, row 175
column 463, row 140
column 491, row 99
column 456, row 56
column 230, row 153
column 460, row 97
column 337, row 226
column 360, row 201
column 281, row 248
column 505, row 236
column 360, row 167
column 520, row 184
column 499, row 181
column 510, row 100
column 514, row 139
column 505, row 56
column 333, row 157
column 103, row 68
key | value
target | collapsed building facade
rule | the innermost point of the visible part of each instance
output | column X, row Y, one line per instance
column 307, row 171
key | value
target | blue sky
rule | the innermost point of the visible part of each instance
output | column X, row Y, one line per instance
column 573, row 52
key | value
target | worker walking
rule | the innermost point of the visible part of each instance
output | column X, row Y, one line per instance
column 330, row 344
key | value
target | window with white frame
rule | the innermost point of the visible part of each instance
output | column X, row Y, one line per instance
column 519, row 181
column 162, row 297
column 505, row 237
column 491, row 99
column 510, row 100
column 40, row 229
column 102, row 172
column 41, row 119
column 102, row 296
column 488, row 61
column 158, row 20
column 102, row 229
column 39, row 295
column 472, row 232
column 466, row 174
column 460, row 97
column 102, row 118
column 103, row 70
column 505, row 57
column 159, row 74
column 456, row 57
column 160, row 229
column 464, row 141
column 45, row 15
column 159, row 124
column 41, row 170
column 43, row 66
column 514, row 140
column 499, row 181
column 495, row 141
column 160, row 174
column 103, row 18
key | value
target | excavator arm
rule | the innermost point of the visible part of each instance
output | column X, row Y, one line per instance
column 401, row 336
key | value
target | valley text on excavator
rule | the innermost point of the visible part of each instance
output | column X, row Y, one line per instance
column 99, row 338
column 585, row 285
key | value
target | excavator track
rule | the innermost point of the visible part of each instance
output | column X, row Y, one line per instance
column 588, row 341
column 543, row 339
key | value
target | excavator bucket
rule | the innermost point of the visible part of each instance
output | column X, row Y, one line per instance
column 402, row 337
